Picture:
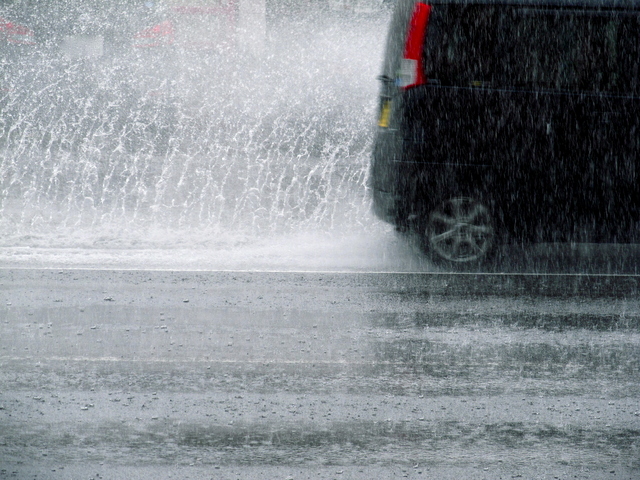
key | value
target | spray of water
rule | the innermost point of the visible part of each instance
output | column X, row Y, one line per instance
column 228, row 149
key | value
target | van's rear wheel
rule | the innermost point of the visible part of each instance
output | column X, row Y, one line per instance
column 460, row 231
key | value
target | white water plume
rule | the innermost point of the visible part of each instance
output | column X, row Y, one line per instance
column 248, row 149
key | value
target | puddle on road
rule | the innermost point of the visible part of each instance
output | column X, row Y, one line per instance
column 334, row 443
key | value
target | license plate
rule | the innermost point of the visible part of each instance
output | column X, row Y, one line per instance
column 82, row 46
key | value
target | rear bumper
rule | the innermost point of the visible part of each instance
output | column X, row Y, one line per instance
column 385, row 175
column 385, row 206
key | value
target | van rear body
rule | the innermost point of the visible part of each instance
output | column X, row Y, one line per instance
column 527, row 112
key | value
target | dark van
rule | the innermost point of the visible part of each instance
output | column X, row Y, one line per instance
column 502, row 120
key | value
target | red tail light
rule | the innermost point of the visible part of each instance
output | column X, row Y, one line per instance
column 411, row 68
column 16, row 34
column 160, row 35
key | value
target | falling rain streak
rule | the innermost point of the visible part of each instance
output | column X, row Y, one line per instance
column 231, row 146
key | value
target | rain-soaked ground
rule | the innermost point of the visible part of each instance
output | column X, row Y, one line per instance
column 140, row 374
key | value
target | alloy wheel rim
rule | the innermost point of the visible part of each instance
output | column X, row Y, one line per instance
column 460, row 230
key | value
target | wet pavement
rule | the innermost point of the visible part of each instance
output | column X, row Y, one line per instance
column 161, row 374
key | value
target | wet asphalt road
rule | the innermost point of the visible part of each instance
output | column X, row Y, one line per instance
column 154, row 374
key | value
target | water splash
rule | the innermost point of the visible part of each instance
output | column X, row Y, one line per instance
column 261, row 147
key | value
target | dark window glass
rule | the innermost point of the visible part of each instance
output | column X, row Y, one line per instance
column 558, row 49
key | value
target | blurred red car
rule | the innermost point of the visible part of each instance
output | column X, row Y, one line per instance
column 211, row 25
column 120, row 23
column 126, row 38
